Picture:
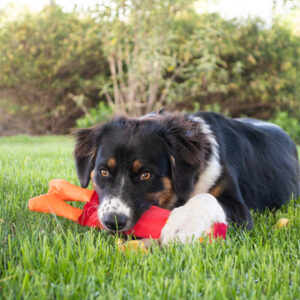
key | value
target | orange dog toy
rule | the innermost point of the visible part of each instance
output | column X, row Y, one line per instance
column 148, row 226
column 54, row 202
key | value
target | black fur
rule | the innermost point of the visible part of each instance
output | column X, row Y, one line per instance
column 259, row 164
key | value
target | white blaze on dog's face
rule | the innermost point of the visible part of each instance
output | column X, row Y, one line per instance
column 113, row 212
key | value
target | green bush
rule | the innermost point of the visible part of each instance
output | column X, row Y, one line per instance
column 138, row 56
column 46, row 61
column 244, row 67
column 252, row 70
column 99, row 114
column 289, row 124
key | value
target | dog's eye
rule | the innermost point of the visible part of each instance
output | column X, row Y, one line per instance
column 104, row 172
column 145, row 176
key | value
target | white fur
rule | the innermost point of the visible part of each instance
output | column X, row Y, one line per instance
column 192, row 220
column 115, row 205
column 213, row 170
column 150, row 115
column 258, row 123
column 265, row 124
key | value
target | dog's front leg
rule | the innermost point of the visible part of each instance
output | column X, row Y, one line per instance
column 193, row 219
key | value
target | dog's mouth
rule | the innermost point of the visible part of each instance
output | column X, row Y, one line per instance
column 114, row 214
column 114, row 221
column 117, row 215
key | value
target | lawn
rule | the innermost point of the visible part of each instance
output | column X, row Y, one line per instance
column 43, row 257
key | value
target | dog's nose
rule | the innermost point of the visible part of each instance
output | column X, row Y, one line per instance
column 115, row 221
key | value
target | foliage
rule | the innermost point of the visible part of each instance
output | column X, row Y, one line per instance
column 139, row 43
column 138, row 56
column 162, row 53
column 99, row 114
column 46, row 60
column 264, row 70
column 43, row 257
column 289, row 124
column 252, row 70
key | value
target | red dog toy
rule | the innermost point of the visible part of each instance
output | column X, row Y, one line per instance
column 148, row 226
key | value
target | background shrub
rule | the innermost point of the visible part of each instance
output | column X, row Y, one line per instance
column 98, row 114
column 289, row 124
column 135, row 57
column 46, row 61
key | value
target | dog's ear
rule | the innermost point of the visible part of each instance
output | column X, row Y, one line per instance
column 85, row 154
column 188, row 151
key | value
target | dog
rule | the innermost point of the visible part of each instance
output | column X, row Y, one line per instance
column 204, row 167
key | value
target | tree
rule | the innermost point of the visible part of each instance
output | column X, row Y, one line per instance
column 138, row 40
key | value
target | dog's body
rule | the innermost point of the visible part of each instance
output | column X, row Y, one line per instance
column 205, row 167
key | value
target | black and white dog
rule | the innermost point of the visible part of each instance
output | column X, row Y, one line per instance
column 204, row 167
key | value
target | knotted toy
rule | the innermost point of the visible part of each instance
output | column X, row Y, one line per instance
column 148, row 226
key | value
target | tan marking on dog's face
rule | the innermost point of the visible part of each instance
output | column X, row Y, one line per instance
column 112, row 163
column 137, row 165
column 172, row 159
column 165, row 198
column 93, row 153
column 92, row 179
column 218, row 189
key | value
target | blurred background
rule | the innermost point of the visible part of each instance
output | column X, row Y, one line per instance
column 66, row 64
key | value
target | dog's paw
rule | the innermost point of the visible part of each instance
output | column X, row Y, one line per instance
column 192, row 220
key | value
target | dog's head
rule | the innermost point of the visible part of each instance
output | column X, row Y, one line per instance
column 138, row 163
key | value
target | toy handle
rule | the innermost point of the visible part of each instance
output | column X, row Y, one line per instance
column 68, row 191
column 54, row 202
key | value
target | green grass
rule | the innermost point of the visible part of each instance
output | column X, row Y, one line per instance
column 43, row 257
